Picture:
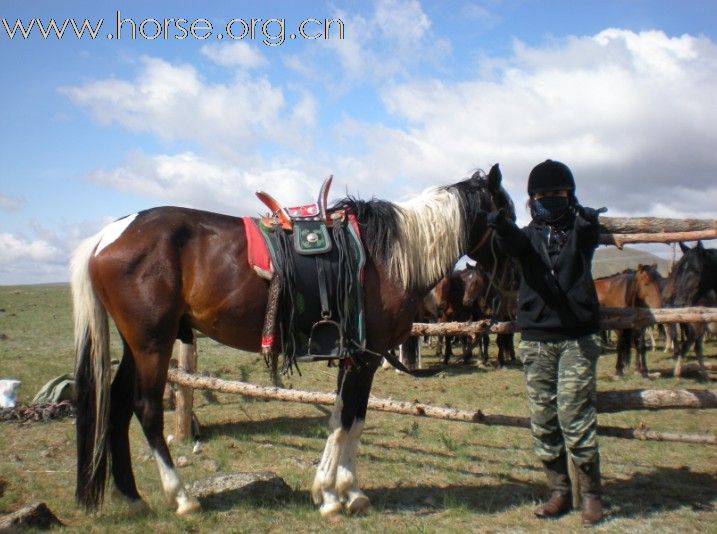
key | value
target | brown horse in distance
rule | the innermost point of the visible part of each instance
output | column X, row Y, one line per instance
column 639, row 288
column 460, row 296
column 162, row 273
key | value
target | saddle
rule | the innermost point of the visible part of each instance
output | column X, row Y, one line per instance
column 315, row 296
column 309, row 224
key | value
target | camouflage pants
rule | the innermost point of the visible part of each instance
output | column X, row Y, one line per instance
column 560, row 378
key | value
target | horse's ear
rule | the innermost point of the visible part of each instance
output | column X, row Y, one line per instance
column 700, row 246
column 494, row 178
column 684, row 248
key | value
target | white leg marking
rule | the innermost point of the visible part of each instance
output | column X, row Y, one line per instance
column 323, row 490
column 112, row 231
column 174, row 489
column 346, row 479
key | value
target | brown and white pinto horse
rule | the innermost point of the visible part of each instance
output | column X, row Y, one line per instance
column 163, row 272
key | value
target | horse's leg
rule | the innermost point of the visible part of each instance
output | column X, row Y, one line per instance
column 152, row 368
column 681, row 349
column 448, row 350
column 121, row 403
column 468, row 345
column 413, row 349
column 640, row 352
column 620, row 358
column 335, row 482
column 486, row 346
column 699, row 337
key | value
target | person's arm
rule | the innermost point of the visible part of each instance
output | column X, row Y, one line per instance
column 588, row 225
column 509, row 237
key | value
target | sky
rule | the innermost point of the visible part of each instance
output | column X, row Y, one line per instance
column 396, row 96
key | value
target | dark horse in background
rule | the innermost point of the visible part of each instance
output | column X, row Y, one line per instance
column 161, row 273
column 692, row 282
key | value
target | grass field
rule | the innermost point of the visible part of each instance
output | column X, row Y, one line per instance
column 421, row 475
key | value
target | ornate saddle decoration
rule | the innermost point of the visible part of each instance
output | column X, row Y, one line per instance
column 316, row 295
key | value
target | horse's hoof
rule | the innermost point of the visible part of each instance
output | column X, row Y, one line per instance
column 358, row 505
column 329, row 510
column 189, row 506
column 137, row 507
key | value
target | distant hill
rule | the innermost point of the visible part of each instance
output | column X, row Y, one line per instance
column 611, row 260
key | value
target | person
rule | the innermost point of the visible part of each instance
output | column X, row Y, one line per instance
column 558, row 314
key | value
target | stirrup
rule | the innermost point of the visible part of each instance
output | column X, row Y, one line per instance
column 323, row 324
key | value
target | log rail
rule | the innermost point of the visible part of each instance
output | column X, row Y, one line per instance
column 619, row 231
column 607, row 402
column 611, row 318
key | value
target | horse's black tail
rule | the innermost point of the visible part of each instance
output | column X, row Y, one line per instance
column 92, row 381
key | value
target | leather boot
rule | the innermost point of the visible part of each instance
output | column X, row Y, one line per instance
column 559, row 502
column 591, row 490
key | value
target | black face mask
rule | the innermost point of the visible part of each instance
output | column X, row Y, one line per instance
column 550, row 209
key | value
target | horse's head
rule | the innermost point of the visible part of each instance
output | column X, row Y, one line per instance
column 648, row 282
column 694, row 275
column 474, row 286
column 499, row 196
column 491, row 197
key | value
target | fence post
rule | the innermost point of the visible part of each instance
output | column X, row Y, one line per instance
column 187, row 362
column 574, row 482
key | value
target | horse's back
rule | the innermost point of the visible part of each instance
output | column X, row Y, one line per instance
column 172, row 262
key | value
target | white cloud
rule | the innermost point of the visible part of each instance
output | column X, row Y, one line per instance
column 188, row 179
column 240, row 54
column 30, row 260
column 16, row 248
column 631, row 113
column 9, row 203
column 173, row 102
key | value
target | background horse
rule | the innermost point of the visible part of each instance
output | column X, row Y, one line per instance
column 631, row 289
column 692, row 282
column 163, row 272
column 460, row 296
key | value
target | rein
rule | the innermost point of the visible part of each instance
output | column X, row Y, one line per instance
column 490, row 235
column 395, row 362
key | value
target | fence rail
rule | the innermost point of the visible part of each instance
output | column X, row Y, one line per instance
column 611, row 318
column 609, row 402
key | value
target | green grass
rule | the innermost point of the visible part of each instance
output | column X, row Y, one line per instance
column 422, row 475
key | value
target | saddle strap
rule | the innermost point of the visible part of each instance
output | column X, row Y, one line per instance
column 323, row 288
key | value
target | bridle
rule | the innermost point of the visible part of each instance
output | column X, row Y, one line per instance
column 489, row 235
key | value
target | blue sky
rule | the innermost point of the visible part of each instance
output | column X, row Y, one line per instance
column 415, row 94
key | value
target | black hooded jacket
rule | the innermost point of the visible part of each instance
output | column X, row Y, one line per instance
column 557, row 298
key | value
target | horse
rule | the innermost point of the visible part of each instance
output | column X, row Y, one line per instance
column 631, row 289
column 162, row 273
column 460, row 296
column 693, row 281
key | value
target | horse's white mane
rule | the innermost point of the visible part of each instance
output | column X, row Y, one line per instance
column 431, row 237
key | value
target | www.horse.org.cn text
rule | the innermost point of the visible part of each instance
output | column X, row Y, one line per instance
column 270, row 32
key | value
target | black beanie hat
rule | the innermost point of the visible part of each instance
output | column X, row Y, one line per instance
column 550, row 176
